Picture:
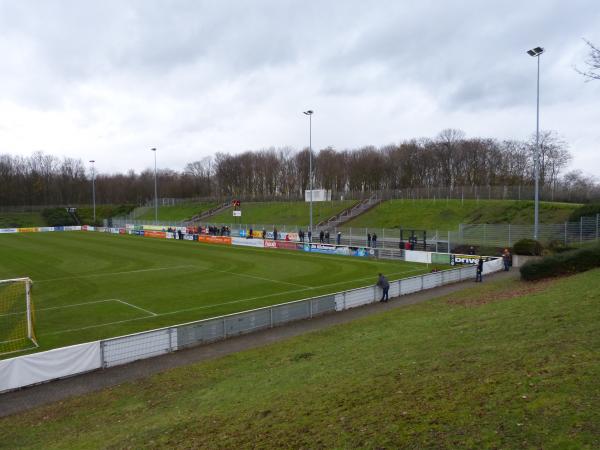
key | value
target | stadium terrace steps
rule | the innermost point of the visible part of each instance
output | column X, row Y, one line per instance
column 211, row 212
column 348, row 214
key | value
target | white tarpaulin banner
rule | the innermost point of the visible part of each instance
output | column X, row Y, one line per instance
column 318, row 195
column 494, row 265
column 417, row 256
column 247, row 242
column 9, row 230
column 45, row 366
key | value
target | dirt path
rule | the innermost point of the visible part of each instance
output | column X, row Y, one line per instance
column 32, row 397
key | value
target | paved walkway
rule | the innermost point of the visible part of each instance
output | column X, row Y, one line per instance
column 32, row 397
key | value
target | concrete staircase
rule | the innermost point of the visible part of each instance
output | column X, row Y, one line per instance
column 211, row 212
column 348, row 214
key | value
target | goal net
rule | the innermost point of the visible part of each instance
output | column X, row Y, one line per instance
column 17, row 331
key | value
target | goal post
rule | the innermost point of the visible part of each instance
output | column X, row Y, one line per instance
column 17, row 323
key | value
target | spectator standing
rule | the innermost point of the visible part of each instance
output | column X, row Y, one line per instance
column 374, row 240
column 384, row 284
column 506, row 259
column 339, row 238
column 479, row 275
column 368, row 239
column 327, row 236
column 321, row 236
column 309, row 236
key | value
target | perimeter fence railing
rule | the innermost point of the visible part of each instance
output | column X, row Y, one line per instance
column 587, row 229
column 67, row 361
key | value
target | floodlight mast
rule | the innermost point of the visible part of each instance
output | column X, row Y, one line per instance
column 309, row 113
column 155, row 190
column 92, row 161
column 536, row 52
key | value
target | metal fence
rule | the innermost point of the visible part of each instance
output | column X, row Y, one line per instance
column 125, row 349
column 587, row 229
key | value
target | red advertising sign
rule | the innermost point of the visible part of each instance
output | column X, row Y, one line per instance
column 270, row 244
column 214, row 239
column 155, row 234
column 287, row 245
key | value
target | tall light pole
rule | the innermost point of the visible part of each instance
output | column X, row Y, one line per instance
column 536, row 52
column 309, row 113
column 155, row 191
column 93, row 188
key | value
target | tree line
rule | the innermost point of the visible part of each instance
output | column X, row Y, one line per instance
column 449, row 160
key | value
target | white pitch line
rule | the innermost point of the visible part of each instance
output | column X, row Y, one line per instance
column 136, row 307
column 114, row 273
column 62, row 306
column 244, row 275
column 216, row 304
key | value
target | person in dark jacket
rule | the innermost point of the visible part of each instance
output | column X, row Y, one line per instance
column 368, row 239
column 506, row 257
column 321, row 236
column 384, row 284
column 339, row 238
column 374, row 240
column 479, row 275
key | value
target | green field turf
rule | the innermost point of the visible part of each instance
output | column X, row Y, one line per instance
column 447, row 215
column 503, row 365
column 94, row 285
column 177, row 213
column 282, row 213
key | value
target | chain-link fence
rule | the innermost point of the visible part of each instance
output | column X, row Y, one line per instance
column 490, row 235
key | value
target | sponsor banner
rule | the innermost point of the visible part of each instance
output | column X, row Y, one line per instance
column 291, row 237
column 247, row 242
column 361, row 251
column 90, row 228
column 456, row 260
column 115, row 230
column 59, row 228
column 288, row 245
column 154, row 234
column 270, row 244
column 122, row 231
column 417, row 256
column 237, row 214
column 153, row 227
column 342, row 251
column 215, row 239
column 28, row 230
column 9, row 230
column 169, row 235
column 322, row 248
column 440, row 258
column 45, row 229
column 189, row 237
column 100, row 229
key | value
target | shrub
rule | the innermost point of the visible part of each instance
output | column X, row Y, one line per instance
column 559, row 247
column 586, row 210
column 562, row 264
column 528, row 247
column 57, row 217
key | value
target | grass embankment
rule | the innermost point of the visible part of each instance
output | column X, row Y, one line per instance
column 283, row 213
column 21, row 219
column 447, row 215
column 502, row 365
column 177, row 213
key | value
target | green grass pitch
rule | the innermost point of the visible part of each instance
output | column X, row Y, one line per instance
column 89, row 286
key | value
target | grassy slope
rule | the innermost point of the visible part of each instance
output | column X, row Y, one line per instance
column 179, row 281
column 18, row 219
column 500, row 366
column 283, row 213
column 442, row 215
column 178, row 213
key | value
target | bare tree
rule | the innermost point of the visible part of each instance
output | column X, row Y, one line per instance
column 592, row 62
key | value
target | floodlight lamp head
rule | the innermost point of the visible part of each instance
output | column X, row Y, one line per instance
column 535, row 51
column 153, row 149
column 92, row 161
column 309, row 112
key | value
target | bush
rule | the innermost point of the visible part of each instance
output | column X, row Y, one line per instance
column 586, row 210
column 559, row 247
column 56, row 217
column 528, row 247
column 562, row 264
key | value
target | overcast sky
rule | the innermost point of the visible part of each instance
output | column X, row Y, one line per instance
column 108, row 80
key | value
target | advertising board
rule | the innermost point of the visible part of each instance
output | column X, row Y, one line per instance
column 215, row 239
column 247, row 242
column 270, row 244
column 289, row 245
column 155, row 234
column 456, row 260
column 9, row 230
